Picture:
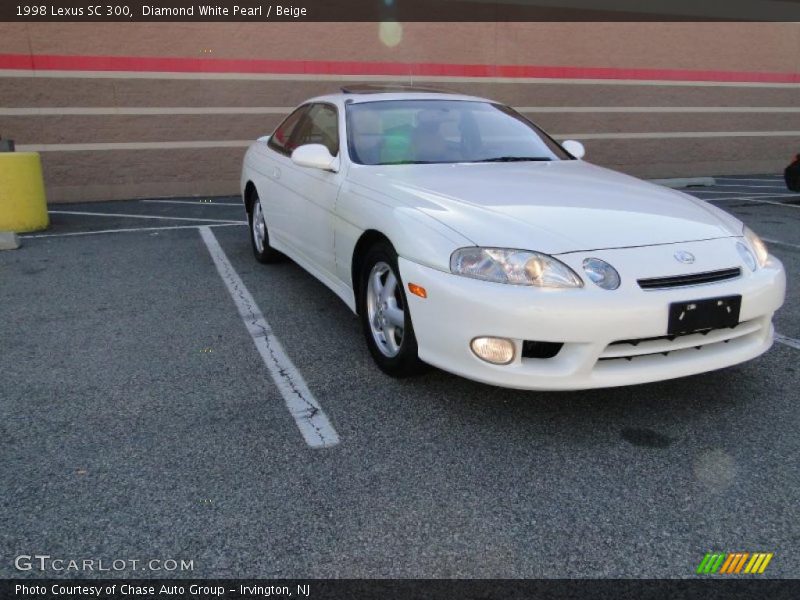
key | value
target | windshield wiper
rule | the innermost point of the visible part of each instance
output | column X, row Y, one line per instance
column 515, row 159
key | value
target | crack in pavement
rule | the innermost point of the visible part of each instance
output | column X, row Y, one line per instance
column 306, row 411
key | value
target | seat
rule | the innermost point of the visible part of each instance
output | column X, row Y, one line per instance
column 367, row 135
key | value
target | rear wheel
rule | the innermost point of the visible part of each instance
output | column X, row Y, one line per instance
column 384, row 314
column 259, row 237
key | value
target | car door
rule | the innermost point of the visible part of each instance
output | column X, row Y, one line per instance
column 305, row 197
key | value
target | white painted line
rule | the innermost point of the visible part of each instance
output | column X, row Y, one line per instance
column 664, row 135
column 741, row 192
column 126, row 216
column 94, row 147
column 185, row 145
column 750, row 185
column 192, row 202
column 102, row 231
column 762, row 201
column 753, row 199
column 657, row 109
column 772, row 180
column 787, row 341
column 68, row 74
column 712, row 200
column 308, row 414
column 780, row 243
column 45, row 111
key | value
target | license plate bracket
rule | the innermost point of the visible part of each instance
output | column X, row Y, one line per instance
column 701, row 315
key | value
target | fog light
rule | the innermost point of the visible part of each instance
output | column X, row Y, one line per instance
column 498, row 351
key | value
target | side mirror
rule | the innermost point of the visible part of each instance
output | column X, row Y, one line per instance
column 315, row 156
column 575, row 148
column 264, row 139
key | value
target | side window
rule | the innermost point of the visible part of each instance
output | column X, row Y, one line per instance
column 281, row 140
column 320, row 127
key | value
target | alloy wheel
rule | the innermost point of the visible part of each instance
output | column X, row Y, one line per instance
column 385, row 309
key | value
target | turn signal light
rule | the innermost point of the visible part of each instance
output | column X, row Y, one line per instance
column 417, row 290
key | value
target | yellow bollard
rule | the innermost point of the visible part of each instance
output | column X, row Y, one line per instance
column 23, row 206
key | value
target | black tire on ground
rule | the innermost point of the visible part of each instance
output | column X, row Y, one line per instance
column 267, row 254
column 406, row 362
column 792, row 175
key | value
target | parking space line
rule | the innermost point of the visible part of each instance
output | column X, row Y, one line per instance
column 780, row 243
column 192, row 202
column 126, row 216
column 312, row 422
column 751, row 186
column 773, row 202
column 755, row 199
column 728, row 192
column 101, row 231
column 776, row 179
column 735, row 199
column 787, row 341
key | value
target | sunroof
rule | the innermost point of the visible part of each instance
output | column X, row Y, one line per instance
column 388, row 89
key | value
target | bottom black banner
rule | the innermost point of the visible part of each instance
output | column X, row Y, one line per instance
column 387, row 589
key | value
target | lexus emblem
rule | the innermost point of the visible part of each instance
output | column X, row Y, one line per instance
column 686, row 258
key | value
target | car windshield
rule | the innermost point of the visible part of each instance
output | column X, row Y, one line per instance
column 386, row 132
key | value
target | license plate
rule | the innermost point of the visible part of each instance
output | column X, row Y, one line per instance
column 701, row 315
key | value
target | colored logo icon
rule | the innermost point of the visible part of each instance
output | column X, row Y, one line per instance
column 734, row 563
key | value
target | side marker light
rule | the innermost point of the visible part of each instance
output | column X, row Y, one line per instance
column 417, row 290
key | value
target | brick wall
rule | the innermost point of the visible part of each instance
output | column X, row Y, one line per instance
column 114, row 119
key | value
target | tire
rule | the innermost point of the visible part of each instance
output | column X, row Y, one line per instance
column 259, row 236
column 792, row 175
column 393, row 347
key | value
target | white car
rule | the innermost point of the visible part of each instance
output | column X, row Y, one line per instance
column 467, row 238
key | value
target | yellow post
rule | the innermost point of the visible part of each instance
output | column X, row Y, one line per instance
column 23, row 206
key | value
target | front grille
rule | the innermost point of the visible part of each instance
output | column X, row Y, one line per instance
column 673, row 281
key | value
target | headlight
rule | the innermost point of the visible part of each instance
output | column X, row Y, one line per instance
column 601, row 273
column 517, row 267
column 758, row 247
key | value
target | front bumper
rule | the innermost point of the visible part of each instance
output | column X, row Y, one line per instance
column 590, row 320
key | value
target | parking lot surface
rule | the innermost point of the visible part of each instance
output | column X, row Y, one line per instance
column 141, row 419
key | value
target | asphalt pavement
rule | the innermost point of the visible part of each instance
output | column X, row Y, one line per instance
column 139, row 421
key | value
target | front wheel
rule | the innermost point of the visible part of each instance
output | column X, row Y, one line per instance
column 259, row 238
column 384, row 313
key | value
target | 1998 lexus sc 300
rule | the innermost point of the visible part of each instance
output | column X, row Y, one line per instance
column 465, row 237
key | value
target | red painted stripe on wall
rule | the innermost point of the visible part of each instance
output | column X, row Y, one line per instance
column 50, row 62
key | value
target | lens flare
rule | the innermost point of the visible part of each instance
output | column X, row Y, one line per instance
column 390, row 33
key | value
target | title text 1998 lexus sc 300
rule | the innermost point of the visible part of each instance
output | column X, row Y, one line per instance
column 465, row 237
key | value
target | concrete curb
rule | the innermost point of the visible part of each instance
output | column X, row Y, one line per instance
column 8, row 240
column 679, row 182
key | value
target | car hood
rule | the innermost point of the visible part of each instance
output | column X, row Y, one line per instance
column 553, row 207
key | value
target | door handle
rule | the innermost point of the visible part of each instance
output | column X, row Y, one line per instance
column 276, row 173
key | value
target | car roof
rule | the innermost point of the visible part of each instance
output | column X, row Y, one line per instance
column 359, row 94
